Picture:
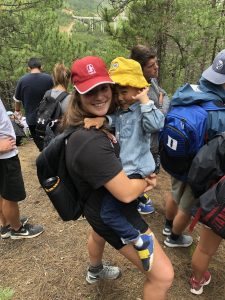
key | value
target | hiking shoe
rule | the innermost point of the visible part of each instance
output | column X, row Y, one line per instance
column 145, row 209
column 6, row 231
column 197, row 286
column 146, row 251
column 182, row 241
column 107, row 272
column 167, row 230
column 27, row 231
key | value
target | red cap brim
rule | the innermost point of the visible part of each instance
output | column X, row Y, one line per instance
column 88, row 85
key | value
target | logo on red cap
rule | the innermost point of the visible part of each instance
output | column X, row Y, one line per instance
column 90, row 69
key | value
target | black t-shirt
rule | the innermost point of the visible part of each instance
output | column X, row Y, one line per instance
column 30, row 91
column 92, row 160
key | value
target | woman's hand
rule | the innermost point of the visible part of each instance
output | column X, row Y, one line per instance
column 7, row 144
column 151, row 181
column 97, row 122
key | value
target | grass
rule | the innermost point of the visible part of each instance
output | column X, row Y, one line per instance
column 6, row 293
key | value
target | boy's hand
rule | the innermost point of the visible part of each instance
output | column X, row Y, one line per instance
column 7, row 144
column 142, row 96
column 94, row 122
column 151, row 181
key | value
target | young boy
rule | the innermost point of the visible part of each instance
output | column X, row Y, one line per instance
column 134, row 120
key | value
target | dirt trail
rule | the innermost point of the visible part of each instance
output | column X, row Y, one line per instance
column 53, row 265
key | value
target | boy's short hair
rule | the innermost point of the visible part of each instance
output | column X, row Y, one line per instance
column 127, row 72
column 142, row 54
column 33, row 63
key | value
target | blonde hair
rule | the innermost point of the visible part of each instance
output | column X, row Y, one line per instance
column 61, row 75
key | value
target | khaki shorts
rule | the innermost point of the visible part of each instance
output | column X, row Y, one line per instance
column 183, row 195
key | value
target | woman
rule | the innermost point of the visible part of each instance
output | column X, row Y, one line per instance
column 61, row 79
column 93, row 158
column 59, row 94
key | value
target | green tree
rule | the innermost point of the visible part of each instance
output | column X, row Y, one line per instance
column 186, row 33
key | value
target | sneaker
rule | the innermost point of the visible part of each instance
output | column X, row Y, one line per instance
column 182, row 241
column 167, row 230
column 27, row 231
column 6, row 231
column 145, row 209
column 108, row 272
column 197, row 286
column 146, row 251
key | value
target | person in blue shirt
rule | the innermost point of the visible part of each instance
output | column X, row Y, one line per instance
column 135, row 119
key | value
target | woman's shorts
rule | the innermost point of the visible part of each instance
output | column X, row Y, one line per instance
column 182, row 194
column 92, row 213
column 11, row 180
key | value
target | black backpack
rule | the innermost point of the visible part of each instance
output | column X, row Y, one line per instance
column 208, row 166
column 49, row 111
column 55, row 179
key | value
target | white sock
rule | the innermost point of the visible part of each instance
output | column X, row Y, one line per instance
column 138, row 242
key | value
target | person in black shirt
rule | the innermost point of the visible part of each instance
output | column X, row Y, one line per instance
column 30, row 90
column 92, row 157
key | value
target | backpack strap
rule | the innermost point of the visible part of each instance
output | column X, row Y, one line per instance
column 61, row 96
column 195, row 219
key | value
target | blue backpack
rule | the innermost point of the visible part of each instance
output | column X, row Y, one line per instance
column 196, row 115
column 182, row 136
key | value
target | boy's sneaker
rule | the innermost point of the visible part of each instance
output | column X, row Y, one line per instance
column 167, row 230
column 197, row 286
column 145, row 209
column 146, row 251
column 182, row 241
column 27, row 231
column 6, row 231
column 107, row 272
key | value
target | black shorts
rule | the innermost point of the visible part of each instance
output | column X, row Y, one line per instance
column 92, row 213
column 11, row 180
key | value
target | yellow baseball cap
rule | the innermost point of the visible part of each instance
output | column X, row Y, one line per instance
column 127, row 72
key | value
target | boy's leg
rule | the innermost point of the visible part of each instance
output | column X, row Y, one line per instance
column 13, row 191
column 112, row 216
column 206, row 248
column 2, row 218
column 11, row 213
column 182, row 194
column 160, row 278
column 171, row 208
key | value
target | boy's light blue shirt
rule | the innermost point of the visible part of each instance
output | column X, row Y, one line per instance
column 133, row 128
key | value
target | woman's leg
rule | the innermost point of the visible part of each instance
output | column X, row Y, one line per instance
column 206, row 248
column 96, row 246
column 160, row 278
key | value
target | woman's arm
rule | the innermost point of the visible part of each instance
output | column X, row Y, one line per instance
column 126, row 190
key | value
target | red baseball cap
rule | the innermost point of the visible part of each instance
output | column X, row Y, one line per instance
column 89, row 72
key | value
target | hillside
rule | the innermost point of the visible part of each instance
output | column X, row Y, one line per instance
column 84, row 7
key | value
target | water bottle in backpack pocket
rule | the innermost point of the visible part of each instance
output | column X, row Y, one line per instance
column 181, row 138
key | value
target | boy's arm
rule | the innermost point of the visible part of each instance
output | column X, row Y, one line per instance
column 98, row 122
column 152, row 117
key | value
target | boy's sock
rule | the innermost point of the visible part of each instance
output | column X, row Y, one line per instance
column 139, row 242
